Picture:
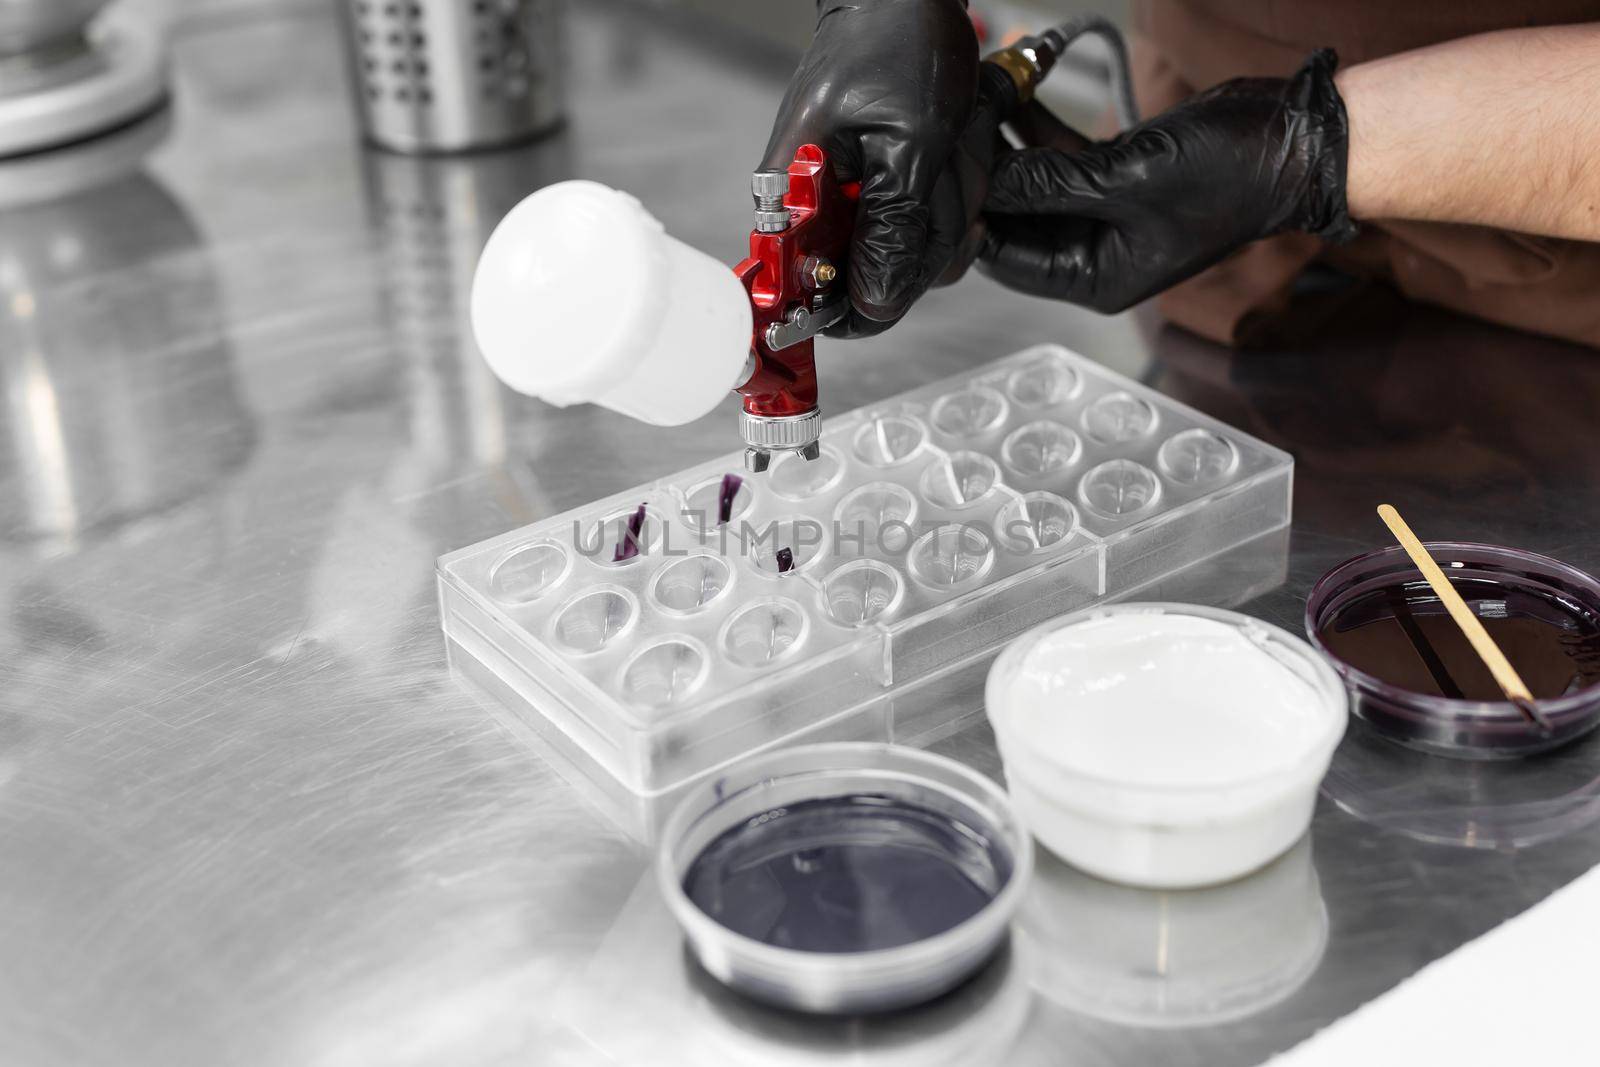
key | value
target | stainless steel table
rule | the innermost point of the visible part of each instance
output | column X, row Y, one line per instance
column 246, row 815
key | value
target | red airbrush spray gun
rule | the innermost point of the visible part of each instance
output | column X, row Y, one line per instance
column 805, row 218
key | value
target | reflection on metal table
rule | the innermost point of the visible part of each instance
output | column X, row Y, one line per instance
column 249, row 817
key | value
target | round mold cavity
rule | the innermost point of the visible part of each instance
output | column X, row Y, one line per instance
column 1119, row 417
column 602, row 539
column 951, row 557
column 1041, row 448
column 685, row 586
column 1043, row 382
column 665, row 673
column 803, row 536
column 862, row 592
column 793, row 477
column 1119, row 488
column 528, row 572
column 879, row 514
column 702, row 506
column 1036, row 521
column 889, row 440
column 970, row 413
column 960, row 481
column 593, row 620
column 1197, row 457
column 764, row 632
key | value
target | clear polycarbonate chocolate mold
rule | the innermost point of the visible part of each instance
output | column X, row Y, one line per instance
column 702, row 509
column 889, row 440
column 1036, row 521
column 794, row 478
column 862, row 592
column 951, row 557
column 1197, row 457
column 933, row 528
column 692, row 583
column 1040, row 448
column 526, row 573
column 959, row 481
column 765, row 632
column 1042, row 381
column 785, row 545
column 970, row 412
column 1118, row 488
column 665, row 672
column 882, row 512
column 590, row 621
column 1119, row 417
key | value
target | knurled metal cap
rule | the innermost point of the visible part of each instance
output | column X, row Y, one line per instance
column 780, row 433
column 772, row 221
column 769, row 184
column 769, row 187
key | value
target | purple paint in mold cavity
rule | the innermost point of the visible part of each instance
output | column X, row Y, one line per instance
column 730, row 489
column 785, row 560
column 628, row 547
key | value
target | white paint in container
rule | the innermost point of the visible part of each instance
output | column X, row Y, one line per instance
column 1164, row 745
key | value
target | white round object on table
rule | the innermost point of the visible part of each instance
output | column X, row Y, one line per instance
column 1164, row 745
column 581, row 296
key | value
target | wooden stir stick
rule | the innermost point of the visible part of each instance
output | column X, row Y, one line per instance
column 1505, row 675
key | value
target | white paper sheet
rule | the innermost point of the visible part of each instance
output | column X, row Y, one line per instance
column 1519, row 995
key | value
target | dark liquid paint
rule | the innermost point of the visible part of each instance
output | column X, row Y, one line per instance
column 725, row 495
column 847, row 874
column 628, row 546
column 1403, row 636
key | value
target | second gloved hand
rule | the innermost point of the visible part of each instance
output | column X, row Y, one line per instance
column 1121, row 220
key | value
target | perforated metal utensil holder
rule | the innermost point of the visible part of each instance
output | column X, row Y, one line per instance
column 454, row 75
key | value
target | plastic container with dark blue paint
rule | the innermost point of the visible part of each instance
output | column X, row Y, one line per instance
column 844, row 877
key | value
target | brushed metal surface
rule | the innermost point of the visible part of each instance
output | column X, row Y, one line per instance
column 247, row 816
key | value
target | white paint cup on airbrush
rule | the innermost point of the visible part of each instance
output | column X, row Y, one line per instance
column 1164, row 745
column 581, row 296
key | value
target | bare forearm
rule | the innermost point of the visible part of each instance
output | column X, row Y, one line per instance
column 1500, row 129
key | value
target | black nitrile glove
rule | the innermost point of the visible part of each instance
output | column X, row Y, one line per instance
column 1122, row 220
column 887, row 89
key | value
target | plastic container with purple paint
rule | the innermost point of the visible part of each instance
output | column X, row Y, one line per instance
column 844, row 878
column 1543, row 613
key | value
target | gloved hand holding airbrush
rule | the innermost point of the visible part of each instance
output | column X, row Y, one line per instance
column 888, row 89
column 879, row 164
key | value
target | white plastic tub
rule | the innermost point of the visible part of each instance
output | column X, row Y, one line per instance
column 1164, row 745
